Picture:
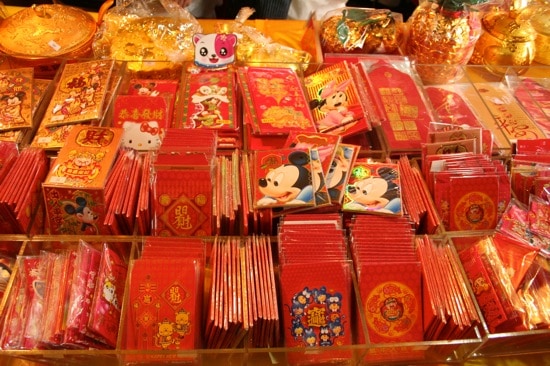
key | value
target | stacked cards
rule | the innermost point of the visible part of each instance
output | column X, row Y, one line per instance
column 165, row 297
column 471, row 191
column 417, row 201
column 21, row 94
column 81, row 97
column 242, row 304
column 449, row 310
column 389, row 277
column 316, row 288
column 20, row 179
column 183, row 183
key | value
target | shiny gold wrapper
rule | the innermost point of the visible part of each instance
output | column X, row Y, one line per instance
column 255, row 48
column 357, row 30
column 146, row 43
column 443, row 38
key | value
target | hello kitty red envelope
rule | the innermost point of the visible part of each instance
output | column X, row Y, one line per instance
column 143, row 119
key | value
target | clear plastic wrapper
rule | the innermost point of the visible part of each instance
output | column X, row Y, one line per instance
column 147, row 32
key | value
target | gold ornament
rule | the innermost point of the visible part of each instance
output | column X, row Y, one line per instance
column 440, row 40
column 356, row 30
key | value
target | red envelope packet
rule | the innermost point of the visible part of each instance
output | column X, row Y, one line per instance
column 164, row 305
column 316, row 298
column 274, row 100
column 106, row 306
column 391, row 295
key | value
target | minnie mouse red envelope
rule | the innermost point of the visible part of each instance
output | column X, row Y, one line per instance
column 74, row 190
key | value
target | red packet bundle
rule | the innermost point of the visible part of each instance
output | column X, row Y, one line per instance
column 209, row 101
column 74, row 190
column 165, row 299
column 229, row 208
column 470, row 191
column 404, row 109
column 283, row 178
column 450, row 106
column 508, row 115
column 82, row 290
column 449, row 310
column 20, row 190
column 335, row 101
column 143, row 119
column 500, row 305
column 107, row 300
column 58, row 285
column 16, row 94
column 80, row 93
column 183, row 184
column 389, row 280
column 533, row 97
column 26, row 287
column 536, row 290
column 143, row 206
column 274, row 102
column 316, row 291
column 373, row 188
column 122, row 191
column 417, row 202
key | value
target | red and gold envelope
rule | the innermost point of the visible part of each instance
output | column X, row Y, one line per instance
column 274, row 100
column 74, row 187
column 16, row 99
column 335, row 101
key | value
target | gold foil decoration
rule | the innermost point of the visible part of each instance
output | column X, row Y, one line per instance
column 508, row 40
column 257, row 49
column 47, row 31
column 441, row 40
column 540, row 21
column 359, row 30
column 147, row 41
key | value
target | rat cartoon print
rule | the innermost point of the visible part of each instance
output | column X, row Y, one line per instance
column 373, row 189
column 289, row 183
column 214, row 51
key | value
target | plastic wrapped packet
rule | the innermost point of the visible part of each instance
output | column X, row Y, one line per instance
column 149, row 34
column 253, row 47
column 361, row 30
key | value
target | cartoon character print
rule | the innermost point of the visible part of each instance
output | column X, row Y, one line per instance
column 375, row 193
column 109, row 292
column 164, row 337
column 207, row 100
column 214, row 50
column 289, row 183
column 82, row 91
column 142, row 136
column 83, row 214
column 333, row 103
column 338, row 173
column 11, row 107
column 147, row 89
column 183, row 324
column 316, row 317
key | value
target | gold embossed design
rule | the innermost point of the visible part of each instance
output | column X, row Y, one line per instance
column 46, row 31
